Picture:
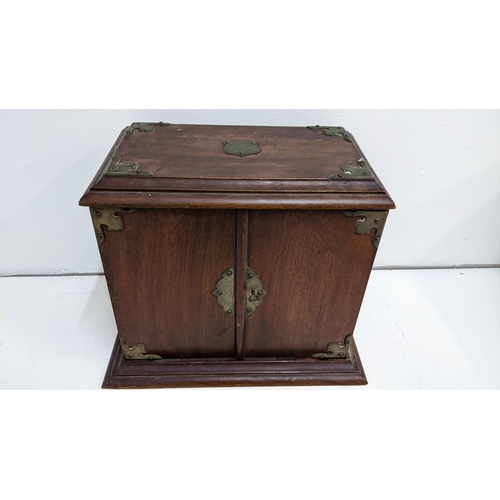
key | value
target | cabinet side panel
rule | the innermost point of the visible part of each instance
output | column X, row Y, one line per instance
column 315, row 269
column 160, row 270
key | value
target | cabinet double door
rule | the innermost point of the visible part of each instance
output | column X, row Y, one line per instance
column 236, row 283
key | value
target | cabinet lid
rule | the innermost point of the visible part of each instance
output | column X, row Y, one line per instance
column 160, row 164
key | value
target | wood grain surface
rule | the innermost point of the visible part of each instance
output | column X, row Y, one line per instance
column 325, row 185
column 240, row 279
column 196, row 151
column 315, row 269
column 160, row 270
column 191, row 158
column 125, row 374
column 263, row 201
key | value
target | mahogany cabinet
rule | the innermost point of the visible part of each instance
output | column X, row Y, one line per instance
column 236, row 255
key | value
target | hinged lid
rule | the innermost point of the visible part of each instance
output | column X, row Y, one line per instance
column 166, row 165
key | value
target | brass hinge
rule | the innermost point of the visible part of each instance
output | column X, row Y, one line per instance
column 368, row 222
column 331, row 131
column 224, row 291
column 107, row 216
column 135, row 351
column 117, row 167
column 359, row 171
column 336, row 349
column 143, row 127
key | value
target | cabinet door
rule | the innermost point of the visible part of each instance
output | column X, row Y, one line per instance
column 315, row 269
column 160, row 270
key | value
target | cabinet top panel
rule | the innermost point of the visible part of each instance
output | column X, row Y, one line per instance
column 263, row 162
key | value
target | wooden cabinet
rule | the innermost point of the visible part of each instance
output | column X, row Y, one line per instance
column 236, row 255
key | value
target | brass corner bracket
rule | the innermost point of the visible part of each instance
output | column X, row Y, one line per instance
column 135, row 351
column 331, row 131
column 359, row 171
column 143, row 127
column 336, row 349
column 107, row 216
column 368, row 222
column 241, row 148
column 117, row 167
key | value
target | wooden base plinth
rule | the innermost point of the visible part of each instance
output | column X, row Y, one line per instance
column 126, row 374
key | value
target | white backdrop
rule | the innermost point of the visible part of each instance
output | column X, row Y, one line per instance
column 442, row 167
